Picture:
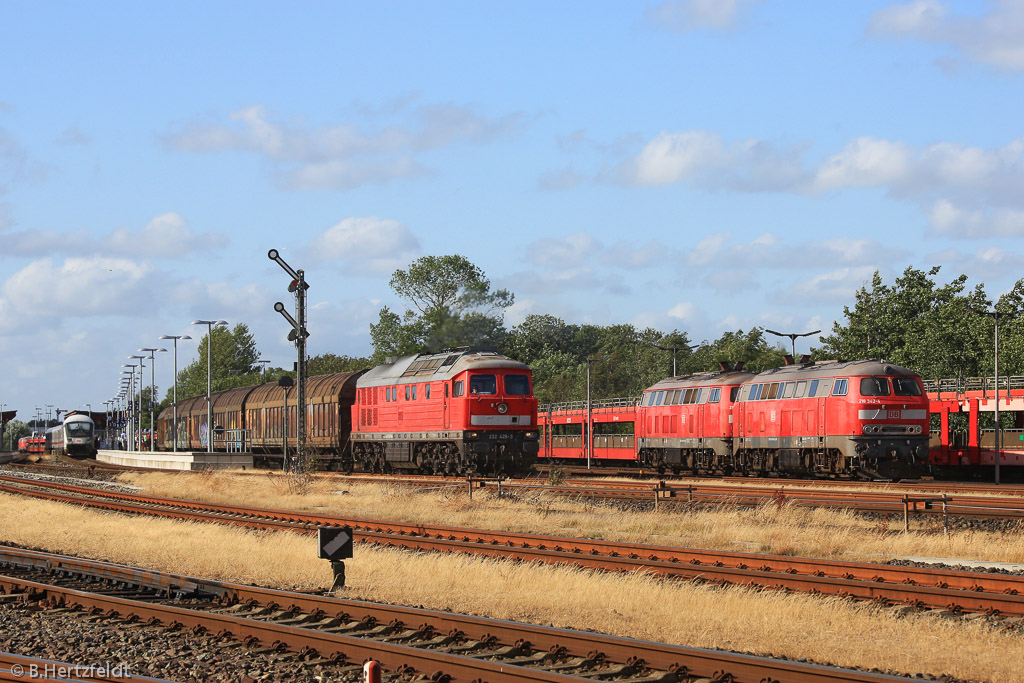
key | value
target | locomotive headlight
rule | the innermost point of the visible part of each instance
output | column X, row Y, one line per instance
column 867, row 429
column 502, row 408
column 531, row 435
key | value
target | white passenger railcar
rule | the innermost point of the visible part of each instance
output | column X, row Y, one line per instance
column 76, row 436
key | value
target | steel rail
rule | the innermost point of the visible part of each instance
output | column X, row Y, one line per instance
column 942, row 589
column 983, row 507
column 696, row 662
column 327, row 645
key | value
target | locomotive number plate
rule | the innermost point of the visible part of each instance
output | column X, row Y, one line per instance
column 499, row 437
column 894, row 414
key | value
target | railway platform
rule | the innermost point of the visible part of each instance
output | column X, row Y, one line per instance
column 182, row 460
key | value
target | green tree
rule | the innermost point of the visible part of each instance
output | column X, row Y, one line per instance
column 14, row 430
column 329, row 363
column 454, row 306
column 919, row 324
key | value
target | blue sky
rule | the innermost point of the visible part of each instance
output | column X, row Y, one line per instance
column 701, row 165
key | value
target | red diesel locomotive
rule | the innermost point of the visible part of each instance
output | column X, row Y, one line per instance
column 449, row 413
column 459, row 412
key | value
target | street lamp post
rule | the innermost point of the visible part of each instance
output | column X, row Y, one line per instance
column 264, row 363
column 996, row 315
column 210, row 324
column 152, row 396
column 129, row 403
column 175, row 337
column 674, row 349
column 139, row 387
column 590, row 423
column 792, row 336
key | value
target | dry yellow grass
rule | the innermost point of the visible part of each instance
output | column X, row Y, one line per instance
column 786, row 530
column 828, row 630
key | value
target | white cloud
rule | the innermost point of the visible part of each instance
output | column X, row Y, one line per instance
column 930, row 175
column 684, row 310
column 865, row 162
column 165, row 236
column 919, row 16
column 995, row 38
column 370, row 243
column 948, row 219
column 347, row 155
column 80, row 288
column 680, row 16
column 834, row 287
column 769, row 251
column 702, row 158
column 580, row 249
column 993, row 262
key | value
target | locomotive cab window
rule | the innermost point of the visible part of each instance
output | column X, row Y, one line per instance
column 459, row 388
column 483, row 385
column 733, row 393
column 840, row 387
column 874, row 386
column 906, row 386
column 517, row 385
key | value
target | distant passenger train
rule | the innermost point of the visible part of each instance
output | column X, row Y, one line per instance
column 76, row 436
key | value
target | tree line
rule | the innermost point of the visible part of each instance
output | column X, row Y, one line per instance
column 938, row 330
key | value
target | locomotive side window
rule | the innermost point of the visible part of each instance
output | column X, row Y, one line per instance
column 874, row 386
column 906, row 386
column 675, row 397
column 801, row 389
column 789, row 390
column 483, row 385
column 814, row 388
column 459, row 388
column 716, row 394
column 839, row 388
column 426, row 391
column 517, row 385
column 406, row 392
column 414, row 391
column 733, row 393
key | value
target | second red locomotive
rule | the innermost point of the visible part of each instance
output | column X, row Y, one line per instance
column 867, row 419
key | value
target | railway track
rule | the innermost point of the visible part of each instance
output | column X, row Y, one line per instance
column 407, row 641
column 1006, row 507
column 950, row 591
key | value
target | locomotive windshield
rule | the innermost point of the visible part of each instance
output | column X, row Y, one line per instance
column 79, row 429
column 874, row 386
column 906, row 386
column 517, row 385
column 483, row 385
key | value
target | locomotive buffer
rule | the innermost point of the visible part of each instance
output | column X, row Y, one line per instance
column 335, row 544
